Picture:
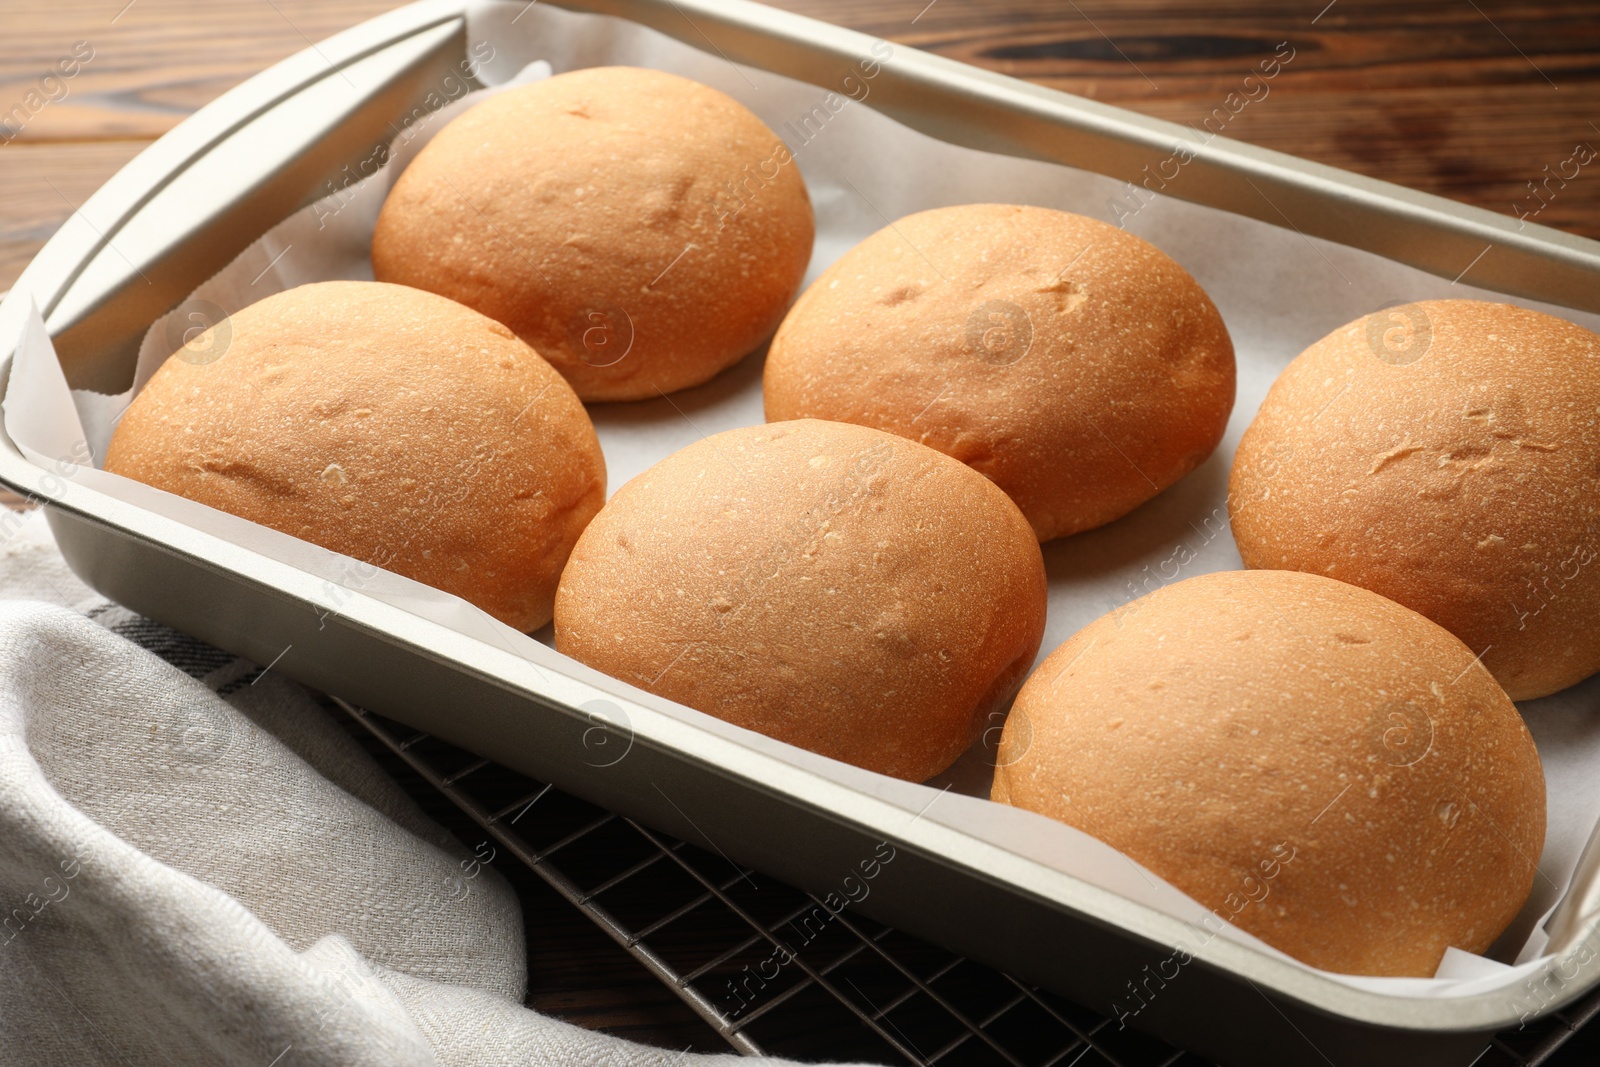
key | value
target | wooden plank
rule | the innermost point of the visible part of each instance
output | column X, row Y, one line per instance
column 153, row 62
column 42, row 184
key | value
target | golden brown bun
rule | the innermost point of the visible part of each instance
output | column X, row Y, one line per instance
column 640, row 230
column 386, row 423
column 1075, row 365
column 1327, row 755
column 834, row 587
column 1445, row 454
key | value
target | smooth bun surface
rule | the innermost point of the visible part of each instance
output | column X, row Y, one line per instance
column 1317, row 764
column 641, row 230
column 1445, row 454
column 834, row 587
column 388, row 424
column 1075, row 365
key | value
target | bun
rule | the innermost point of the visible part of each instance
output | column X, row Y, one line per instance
column 834, row 587
column 1075, row 365
column 1445, row 454
column 388, row 424
column 640, row 230
column 1321, row 766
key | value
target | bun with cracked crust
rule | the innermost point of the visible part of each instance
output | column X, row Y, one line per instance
column 386, row 423
column 641, row 230
column 1317, row 765
column 1445, row 454
column 835, row 587
column 1075, row 365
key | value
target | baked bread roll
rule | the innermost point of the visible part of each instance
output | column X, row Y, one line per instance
column 1324, row 768
column 390, row 425
column 1075, row 365
column 1445, row 454
column 641, row 230
column 834, row 587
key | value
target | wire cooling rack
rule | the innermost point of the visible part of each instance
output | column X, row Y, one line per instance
column 711, row 932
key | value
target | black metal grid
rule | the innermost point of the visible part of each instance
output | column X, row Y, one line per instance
column 856, row 990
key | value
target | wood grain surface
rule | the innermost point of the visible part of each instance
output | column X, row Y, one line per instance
column 1467, row 100
column 1471, row 99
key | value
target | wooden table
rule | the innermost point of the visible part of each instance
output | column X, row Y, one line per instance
column 1479, row 100
column 1472, row 99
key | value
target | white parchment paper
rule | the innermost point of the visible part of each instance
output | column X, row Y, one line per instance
column 1278, row 292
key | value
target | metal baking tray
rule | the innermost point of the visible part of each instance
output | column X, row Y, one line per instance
column 184, row 207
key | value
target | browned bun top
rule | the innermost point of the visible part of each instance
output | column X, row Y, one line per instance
column 1074, row 364
column 834, row 587
column 641, row 230
column 386, row 423
column 1319, row 765
column 1445, row 454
